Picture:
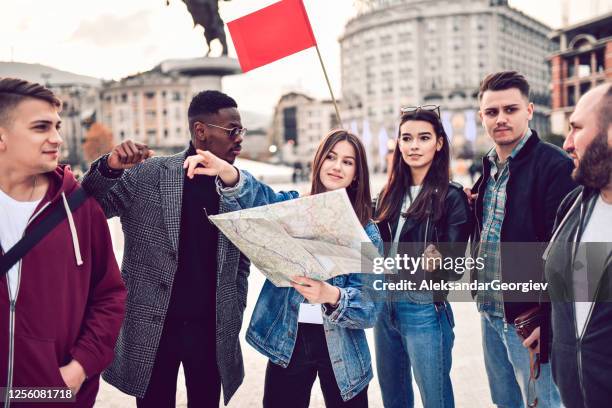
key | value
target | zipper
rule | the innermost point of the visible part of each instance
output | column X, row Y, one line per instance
column 12, row 312
column 581, row 336
column 501, row 269
column 426, row 231
column 586, row 323
column 579, row 342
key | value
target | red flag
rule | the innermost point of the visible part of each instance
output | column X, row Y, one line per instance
column 271, row 33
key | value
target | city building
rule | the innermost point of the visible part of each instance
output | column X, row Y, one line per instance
column 298, row 125
column 150, row 108
column 582, row 59
column 413, row 52
column 80, row 108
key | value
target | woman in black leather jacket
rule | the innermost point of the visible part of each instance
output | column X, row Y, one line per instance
column 425, row 213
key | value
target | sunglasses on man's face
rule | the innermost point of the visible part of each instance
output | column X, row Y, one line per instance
column 415, row 109
column 233, row 133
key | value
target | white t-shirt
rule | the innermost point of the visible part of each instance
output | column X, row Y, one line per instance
column 14, row 217
column 408, row 199
column 597, row 230
column 310, row 313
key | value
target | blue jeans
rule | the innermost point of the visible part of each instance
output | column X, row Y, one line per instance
column 507, row 364
column 418, row 337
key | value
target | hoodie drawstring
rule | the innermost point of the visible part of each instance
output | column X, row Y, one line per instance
column 75, row 237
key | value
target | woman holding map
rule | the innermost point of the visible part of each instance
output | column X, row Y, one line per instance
column 313, row 327
column 417, row 210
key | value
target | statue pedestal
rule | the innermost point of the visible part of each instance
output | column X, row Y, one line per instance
column 203, row 73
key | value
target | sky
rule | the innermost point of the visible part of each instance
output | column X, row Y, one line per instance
column 114, row 38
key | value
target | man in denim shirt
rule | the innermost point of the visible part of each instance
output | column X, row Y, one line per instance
column 523, row 182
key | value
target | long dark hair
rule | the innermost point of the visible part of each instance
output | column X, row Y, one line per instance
column 359, row 190
column 430, row 200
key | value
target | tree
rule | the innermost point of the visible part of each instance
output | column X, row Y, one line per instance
column 98, row 141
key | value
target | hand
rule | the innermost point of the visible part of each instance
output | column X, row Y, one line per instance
column 316, row 291
column 127, row 154
column 431, row 258
column 210, row 165
column 533, row 337
column 472, row 197
column 73, row 375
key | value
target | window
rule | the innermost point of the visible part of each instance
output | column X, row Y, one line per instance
column 571, row 69
column 584, row 87
column 149, row 95
column 571, row 96
column 176, row 96
column 386, row 39
column 584, row 65
column 600, row 58
column 290, row 124
column 151, row 135
column 405, row 36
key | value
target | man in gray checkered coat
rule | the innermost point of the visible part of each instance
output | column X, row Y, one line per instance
column 187, row 284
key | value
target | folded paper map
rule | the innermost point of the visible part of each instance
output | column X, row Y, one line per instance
column 317, row 236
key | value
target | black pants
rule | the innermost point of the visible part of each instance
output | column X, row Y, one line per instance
column 193, row 345
column 291, row 386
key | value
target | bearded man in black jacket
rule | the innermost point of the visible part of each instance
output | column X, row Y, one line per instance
column 579, row 260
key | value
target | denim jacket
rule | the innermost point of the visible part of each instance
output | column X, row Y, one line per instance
column 274, row 323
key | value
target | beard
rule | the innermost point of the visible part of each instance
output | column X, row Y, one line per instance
column 595, row 167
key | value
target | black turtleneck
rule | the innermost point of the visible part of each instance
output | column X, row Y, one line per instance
column 194, row 290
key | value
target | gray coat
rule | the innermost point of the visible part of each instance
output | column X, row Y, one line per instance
column 148, row 200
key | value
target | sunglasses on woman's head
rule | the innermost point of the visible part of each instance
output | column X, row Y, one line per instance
column 415, row 109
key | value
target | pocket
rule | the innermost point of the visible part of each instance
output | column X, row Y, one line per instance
column 36, row 363
column 449, row 315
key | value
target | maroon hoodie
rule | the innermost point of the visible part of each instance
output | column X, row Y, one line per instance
column 70, row 302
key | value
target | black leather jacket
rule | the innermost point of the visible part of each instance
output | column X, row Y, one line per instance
column 449, row 234
column 581, row 361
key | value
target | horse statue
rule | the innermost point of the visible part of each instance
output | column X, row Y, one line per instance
column 206, row 14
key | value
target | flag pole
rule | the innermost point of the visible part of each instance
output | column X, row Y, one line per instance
column 330, row 88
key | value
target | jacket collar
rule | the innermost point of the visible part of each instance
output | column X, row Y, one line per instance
column 171, row 194
column 528, row 147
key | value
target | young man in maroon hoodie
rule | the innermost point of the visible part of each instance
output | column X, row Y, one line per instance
column 62, row 303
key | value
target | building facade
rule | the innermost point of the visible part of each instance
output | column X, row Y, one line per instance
column 413, row 52
column 150, row 108
column 80, row 108
column 298, row 125
column 582, row 59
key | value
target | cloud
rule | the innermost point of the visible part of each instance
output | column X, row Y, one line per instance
column 108, row 30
